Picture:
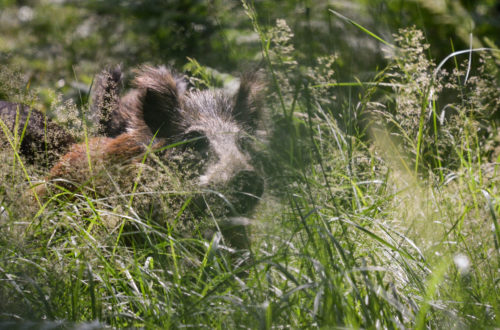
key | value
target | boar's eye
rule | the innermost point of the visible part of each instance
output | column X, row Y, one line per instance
column 245, row 142
column 196, row 140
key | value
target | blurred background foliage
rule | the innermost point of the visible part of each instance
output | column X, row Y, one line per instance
column 61, row 44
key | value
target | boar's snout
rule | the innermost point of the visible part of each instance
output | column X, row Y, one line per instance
column 236, row 197
column 247, row 188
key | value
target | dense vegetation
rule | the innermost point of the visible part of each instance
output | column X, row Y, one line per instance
column 382, row 163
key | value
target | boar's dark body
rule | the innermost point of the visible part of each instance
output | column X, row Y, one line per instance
column 43, row 140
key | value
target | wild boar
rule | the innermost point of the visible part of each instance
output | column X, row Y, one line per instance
column 206, row 131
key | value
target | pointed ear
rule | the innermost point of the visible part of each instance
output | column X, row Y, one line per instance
column 248, row 100
column 160, row 93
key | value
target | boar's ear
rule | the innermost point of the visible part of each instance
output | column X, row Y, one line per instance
column 160, row 97
column 248, row 100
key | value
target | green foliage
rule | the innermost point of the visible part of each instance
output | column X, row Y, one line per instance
column 382, row 172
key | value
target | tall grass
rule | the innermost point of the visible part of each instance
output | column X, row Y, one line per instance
column 380, row 213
